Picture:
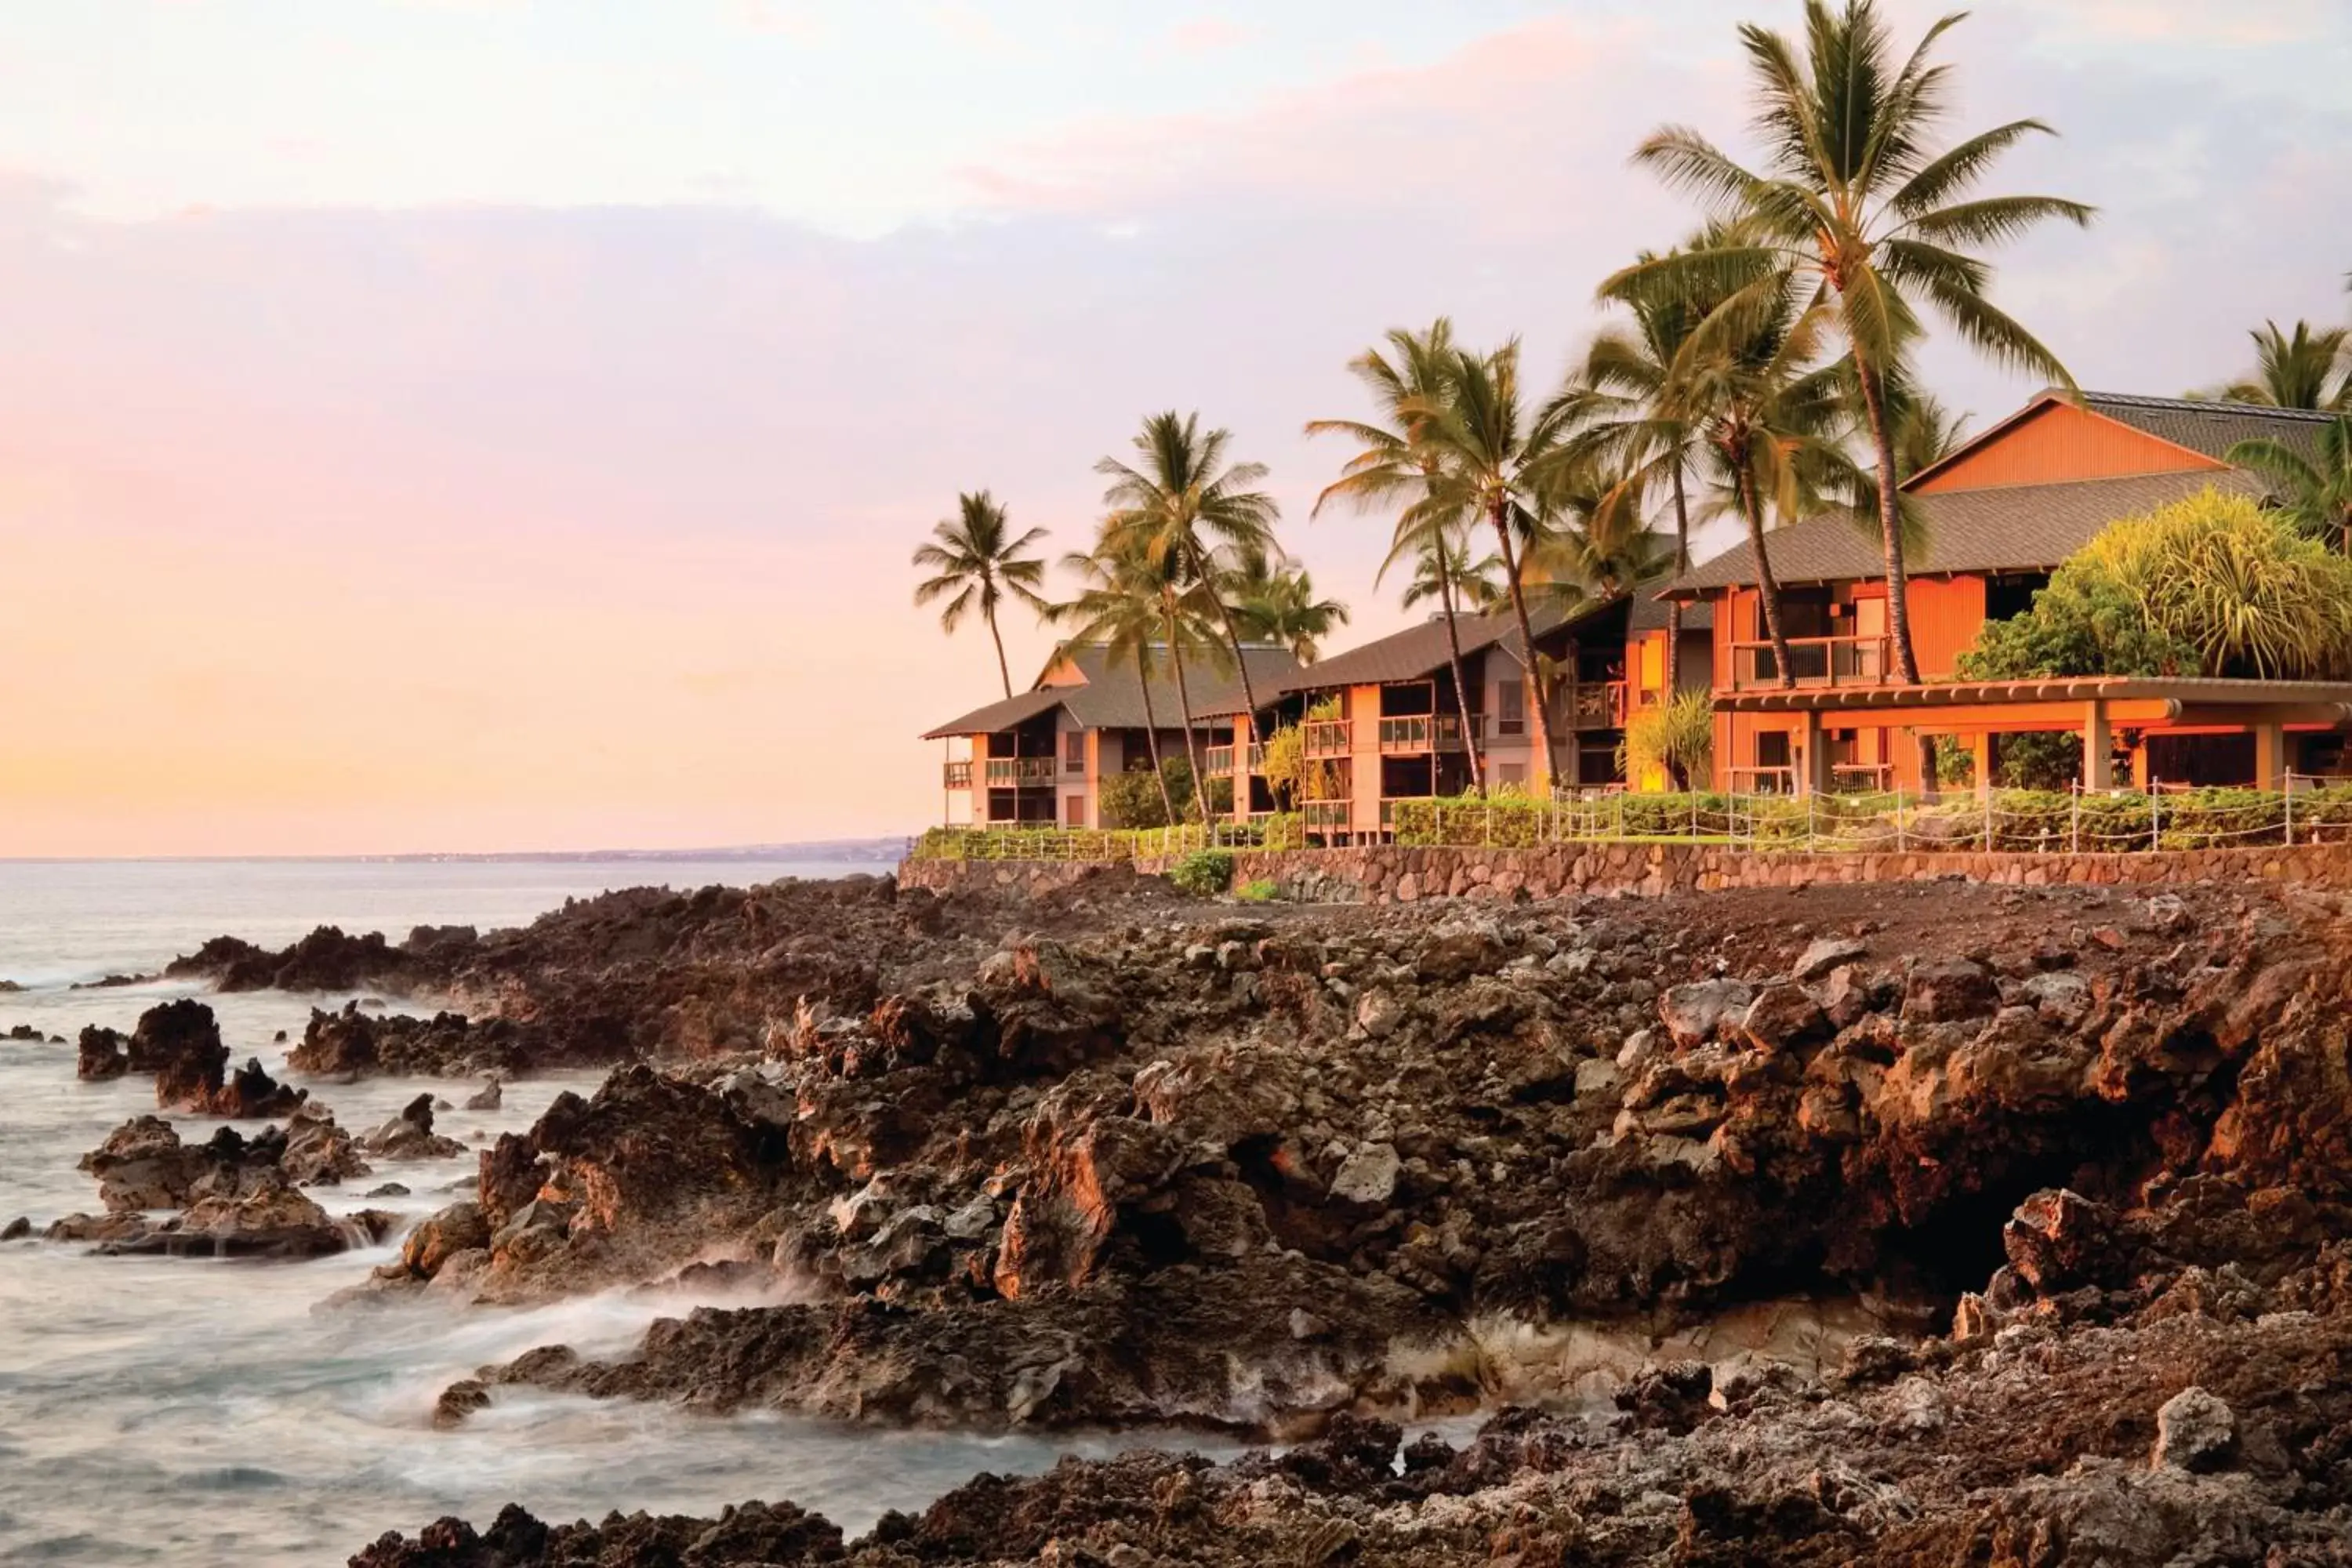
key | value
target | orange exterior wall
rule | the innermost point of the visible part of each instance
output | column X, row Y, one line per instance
column 1364, row 757
column 2060, row 443
column 1946, row 614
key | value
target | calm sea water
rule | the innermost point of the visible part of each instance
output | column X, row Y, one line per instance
column 198, row 1412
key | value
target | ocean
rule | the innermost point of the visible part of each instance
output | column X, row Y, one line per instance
column 195, row 1411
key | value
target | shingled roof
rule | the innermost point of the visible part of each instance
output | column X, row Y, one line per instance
column 2211, row 428
column 1108, row 698
column 1418, row 652
column 2017, row 528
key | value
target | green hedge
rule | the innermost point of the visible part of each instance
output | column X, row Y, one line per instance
column 1106, row 846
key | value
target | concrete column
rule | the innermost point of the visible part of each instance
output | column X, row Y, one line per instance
column 2270, row 756
column 2139, row 765
column 1980, row 758
column 1813, row 760
column 2098, row 747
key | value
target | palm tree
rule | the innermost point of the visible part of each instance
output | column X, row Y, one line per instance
column 1489, row 459
column 1178, row 507
column 2315, row 491
column 1600, row 543
column 1853, row 200
column 1926, row 432
column 1120, row 608
column 974, row 562
column 1395, row 465
column 1620, row 400
column 2309, row 370
column 1275, row 602
column 1444, row 574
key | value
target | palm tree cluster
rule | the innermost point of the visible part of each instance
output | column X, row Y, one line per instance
column 1764, row 370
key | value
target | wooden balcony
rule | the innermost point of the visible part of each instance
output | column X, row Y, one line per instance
column 958, row 776
column 1420, row 734
column 1218, row 760
column 1592, row 705
column 1827, row 662
column 1329, row 738
column 1014, row 773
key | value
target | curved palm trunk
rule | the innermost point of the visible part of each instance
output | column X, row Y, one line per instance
column 1461, row 685
column 1537, row 686
column 1898, row 584
column 1152, row 737
column 1767, row 589
column 1675, row 606
column 1004, row 671
column 1890, row 526
column 1184, row 701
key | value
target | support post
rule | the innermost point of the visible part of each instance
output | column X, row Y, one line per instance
column 1980, row 760
column 2269, row 757
column 2098, row 747
column 1813, row 767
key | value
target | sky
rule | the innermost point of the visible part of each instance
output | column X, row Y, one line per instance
column 478, row 425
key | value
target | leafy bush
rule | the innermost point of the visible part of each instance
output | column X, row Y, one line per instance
column 1133, row 799
column 1204, row 873
column 1263, row 890
column 2210, row 586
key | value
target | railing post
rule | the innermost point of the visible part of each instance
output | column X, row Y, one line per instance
column 1988, row 821
column 2286, row 803
column 1898, row 819
column 2074, row 819
column 2155, row 816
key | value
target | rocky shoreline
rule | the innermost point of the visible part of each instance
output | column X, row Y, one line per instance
column 1896, row 1225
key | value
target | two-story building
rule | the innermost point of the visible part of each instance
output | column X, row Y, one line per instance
column 1385, row 722
column 2001, row 514
column 1040, row 758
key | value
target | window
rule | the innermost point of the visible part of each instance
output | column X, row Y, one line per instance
column 1074, row 752
column 1511, row 702
column 1074, row 811
column 1512, row 773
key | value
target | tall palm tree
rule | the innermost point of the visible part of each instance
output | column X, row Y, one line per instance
column 1853, row 200
column 1118, row 608
column 2314, row 489
column 2311, row 369
column 1490, row 457
column 1444, row 574
column 1274, row 602
column 1396, row 465
column 1123, row 567
column 975, row 562
column 1600, row 543
column 1182, row 503
column 1619, row 401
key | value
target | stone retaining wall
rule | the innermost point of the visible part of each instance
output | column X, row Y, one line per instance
column 1393, row 874
column 1032, row 878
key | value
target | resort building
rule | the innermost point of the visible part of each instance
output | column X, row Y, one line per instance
column 1040, row 758
column 2000, row 515
column 1384, row 723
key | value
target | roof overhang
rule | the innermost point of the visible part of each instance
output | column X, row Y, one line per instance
column 2058, row 703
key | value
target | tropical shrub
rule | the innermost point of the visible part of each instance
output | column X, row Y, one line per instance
column 1288, row 772
column 1133, row 799
column 2210, row 585
column 1263, row 891
column 1677, row 739
column 1203, row 874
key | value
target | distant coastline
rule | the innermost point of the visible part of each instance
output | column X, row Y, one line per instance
column 827, row 851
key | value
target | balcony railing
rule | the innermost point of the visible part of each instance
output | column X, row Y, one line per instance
column 1814, row 661
column 958, row 776
column 1328, row 738
column 1763, row 781
column 1001, row 773
column 1592, row 705
column 1218, row 760
column 1327, row 815
column 1416, row 734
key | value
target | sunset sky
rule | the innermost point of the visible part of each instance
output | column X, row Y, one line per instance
column 478, row 425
